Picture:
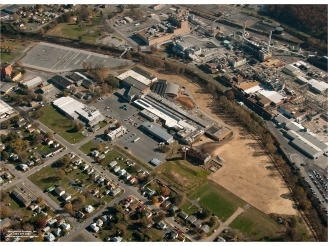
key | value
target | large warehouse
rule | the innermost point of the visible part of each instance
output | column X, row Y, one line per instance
column 157, row 132
column 75, row 109
column 5, row 109
column 309, row 144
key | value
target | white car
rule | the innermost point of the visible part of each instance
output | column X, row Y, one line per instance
column 326, row 153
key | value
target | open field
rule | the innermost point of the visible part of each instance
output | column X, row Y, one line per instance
column 258, row 182
column 188, row 208
column 60, row 124
column 15, row 47
column 88, row 32
column 184, row 175
column 257, row 226
column 250, row 174
column 222, row 203
column 7, row 57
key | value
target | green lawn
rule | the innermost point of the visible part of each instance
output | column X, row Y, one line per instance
column 88, row 147
column 7, row 57
column 60, row 124
column 88, row 31
column 188, row 208
column 256, row 226
column 221, row 202
column 182, row 174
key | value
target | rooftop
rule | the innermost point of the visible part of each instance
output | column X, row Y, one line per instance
column 137, row 76
column 248, row 85
column 157, row 131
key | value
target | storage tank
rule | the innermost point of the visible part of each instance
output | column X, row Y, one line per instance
column 226, row 43
column 279, row 30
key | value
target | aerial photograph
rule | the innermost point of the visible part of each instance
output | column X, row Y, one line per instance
column 163, row 123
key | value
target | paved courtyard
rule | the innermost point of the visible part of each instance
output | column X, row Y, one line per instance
column 56, row 58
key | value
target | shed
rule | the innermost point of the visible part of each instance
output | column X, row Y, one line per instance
column 59, row 191
column 66, row 196
column 205, row 228
column 57, row 232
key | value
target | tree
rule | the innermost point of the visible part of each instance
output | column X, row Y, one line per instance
column 212, row 221
column 42, row 31
column 100, row 147
column 49, row 135
column 163, row 148
column 65, row 161
column 165, row 191
column 68, row 208
column 118, row 124
column 81, row 199
column 4, row 155
column 39, row 98
column 23, row 157
column 61, row 174
column 15, row 17
column 155, row 199
column 24, row 21
column 78, row 126
column 106, row 132
column 65, row 93
column 230, row 95
column 105, row 88
column 4, row 212
column 305, row 205
column 153, row 49
column 41, row 223
column 161, row 215
column 112, row 81
column 204, row 213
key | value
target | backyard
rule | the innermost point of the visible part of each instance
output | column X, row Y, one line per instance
column 60, row 124
column 183, row 175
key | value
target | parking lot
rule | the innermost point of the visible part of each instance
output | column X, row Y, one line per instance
column 56, row 58
column 145, row 147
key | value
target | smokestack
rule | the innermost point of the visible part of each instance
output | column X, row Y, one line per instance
column 244, row 29
column 269, row 41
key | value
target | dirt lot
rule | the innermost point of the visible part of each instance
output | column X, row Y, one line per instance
column 186, row 101
column 258, row 182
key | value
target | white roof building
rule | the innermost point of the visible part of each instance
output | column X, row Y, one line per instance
column 94, row 227
column 5, row 108
column 50, row 237
column 134, row 75
column 89, row 209
column 32, row 82
column 74, row 109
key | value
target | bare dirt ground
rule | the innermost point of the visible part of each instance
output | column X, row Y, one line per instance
column 186, row 101
column 203, row 140
column 247, row 171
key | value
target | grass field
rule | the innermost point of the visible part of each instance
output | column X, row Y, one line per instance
column 14, row 45
column 182, row 175
column 89, row 32
column 60, row 124
column 7, row 57
column 256, row 225
column 188, row 208
column 219, row 201
column 88, row 147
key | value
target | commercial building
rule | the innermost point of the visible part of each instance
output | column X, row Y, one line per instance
column 5, row 109
column 31, row 83
column 75, row 109
column 47, row 88
column 145, row 74
column 149, row 115
column 218, row 133
column 135, row 75
column 238, row 61
column 6, row 69
column 116, row 133
column 157, row 132
column 61, row 82
column 20, row 197
column 6, row 87
column 307, row 143
column 292, row 111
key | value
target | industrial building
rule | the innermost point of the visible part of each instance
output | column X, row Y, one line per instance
column 157, row 131
column 292, row 111
column 307, row 143
column 172, row 90
column 47, row 88
column 145, row 74
column 159, row 87
column 6, row 87
column 116, row 133
column 5, row 109
column 75, row 109
column 198, row 157
column 176, row 24
column 31, row 83
column 292, row 70
column 146, row 80
column 61, row 82
column 6, row 69
column 218, row 133
column 149, row 115
column 80, row 79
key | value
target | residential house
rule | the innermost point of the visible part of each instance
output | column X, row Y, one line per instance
column 197, row 223
column 85, row 167
column 161, row 225
column 8, row 175
column 133, row 180
column 65, row 226
column 52, row 222
column 94, row 227
column 57, row 232
column 127, row 176
column 99, row 223
column 89, row 209
column 183, row 215
column 66, row 197
column 50, row 237
column 33, row 206
column 116, row 169
column 149, row 192
column 165, row 204
column 174, row 234
column 112, row 164
column 46, row 229
column 191, row 219
column 22, row 198
column 117, row 239
column 104, row 218
column 95, row 153
column 23, row 167
column 59, row 191
column 55, row 144
column 121, row 172
column 205, row 228
column 5, row 223
column 6, row 69
column 116, row 191
column 48, row 141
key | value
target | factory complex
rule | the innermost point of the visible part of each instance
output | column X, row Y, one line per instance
column 74, row 109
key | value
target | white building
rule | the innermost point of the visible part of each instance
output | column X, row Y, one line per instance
column 75, row 109
column 94, row 227
column 89, row 209
column 5, row 109
column 31, row 83
column 116, row 133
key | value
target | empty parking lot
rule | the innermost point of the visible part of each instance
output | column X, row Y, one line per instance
column 56, row 58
